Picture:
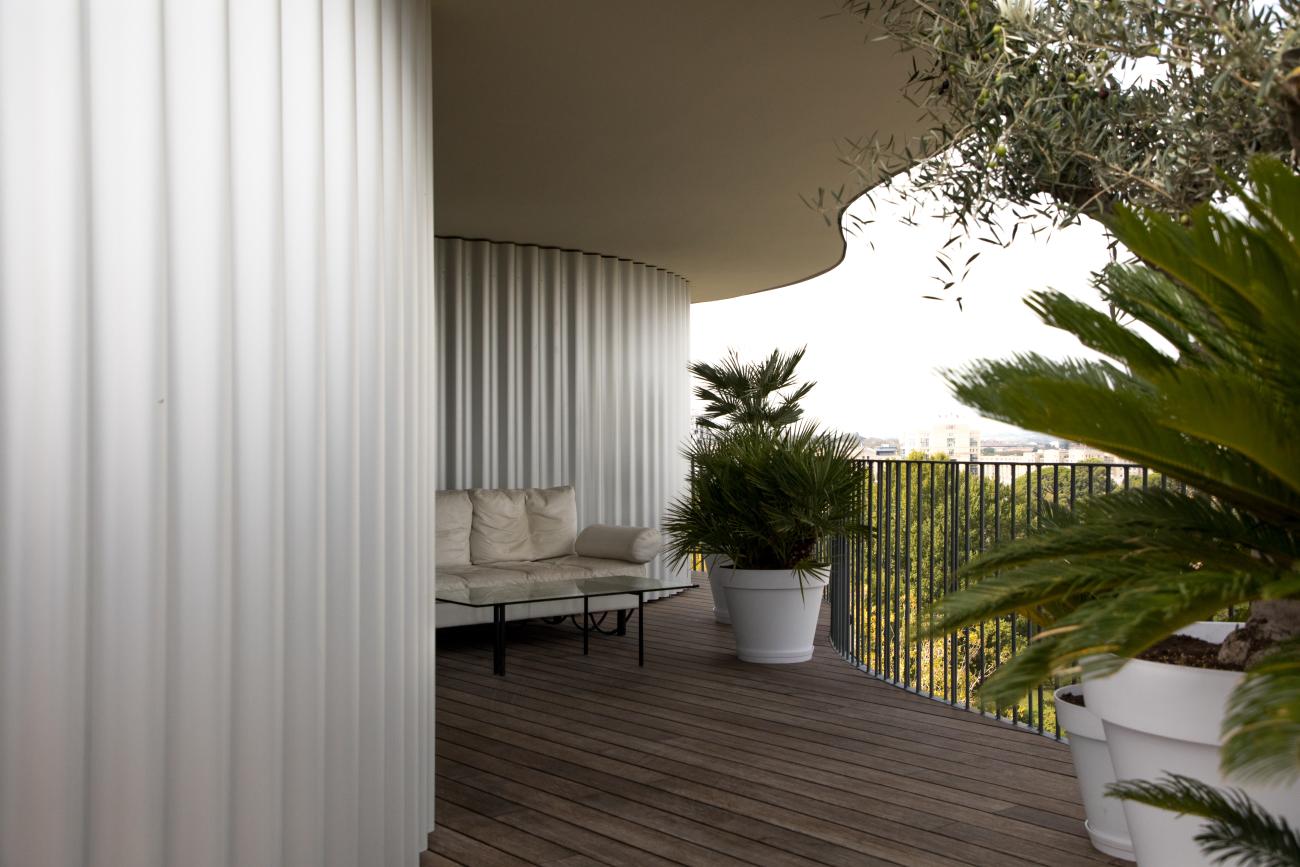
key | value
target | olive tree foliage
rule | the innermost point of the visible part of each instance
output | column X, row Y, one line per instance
column 1059, row 109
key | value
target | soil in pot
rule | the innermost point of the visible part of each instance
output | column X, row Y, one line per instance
column 1186, row 650
column 1072, row 698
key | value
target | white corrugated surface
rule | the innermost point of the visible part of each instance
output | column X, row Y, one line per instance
column 562, row 367
column 216, row 441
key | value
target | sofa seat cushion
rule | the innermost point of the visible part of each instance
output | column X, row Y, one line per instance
column 500, row 531
column 601, row 567
column 444, row 581
column 546, row 570
column 490, row 574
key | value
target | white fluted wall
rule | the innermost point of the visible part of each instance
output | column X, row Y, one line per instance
column 561, row 367
column 216, row 442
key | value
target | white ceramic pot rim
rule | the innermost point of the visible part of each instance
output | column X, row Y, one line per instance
column 772, row 579
column 1171, row 701
column 1077, row 721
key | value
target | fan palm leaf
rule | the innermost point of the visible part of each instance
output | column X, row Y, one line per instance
column 764, row 393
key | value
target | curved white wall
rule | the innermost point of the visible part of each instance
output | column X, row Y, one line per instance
column 216, row 441
column 560, row 367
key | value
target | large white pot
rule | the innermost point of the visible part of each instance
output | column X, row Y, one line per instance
column 773, row 612
column 1105, row 824
column 1162, row 718
column 712, row 567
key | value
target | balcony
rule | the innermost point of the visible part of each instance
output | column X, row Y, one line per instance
column 701, row 759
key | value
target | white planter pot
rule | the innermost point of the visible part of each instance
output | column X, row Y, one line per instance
column 773, row 617
column 1160, row 719
column 711, row 566
column 1105, row 824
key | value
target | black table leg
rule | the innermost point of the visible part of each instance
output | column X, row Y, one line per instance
column 640, row 629
column 622, row 621
column 586, row 625
column 499, row 639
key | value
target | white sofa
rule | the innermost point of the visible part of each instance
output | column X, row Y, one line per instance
column 492, row 537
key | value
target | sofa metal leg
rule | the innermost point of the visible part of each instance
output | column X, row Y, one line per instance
column 499, row 640
column 586, row 624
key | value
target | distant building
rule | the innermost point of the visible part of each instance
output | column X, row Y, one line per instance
column 1074, row 453
column 957, row 440
column 875, row 447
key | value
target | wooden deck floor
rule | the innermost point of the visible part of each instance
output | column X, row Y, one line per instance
column 701, row 759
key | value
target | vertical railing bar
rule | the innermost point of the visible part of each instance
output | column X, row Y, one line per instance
column 983, row 652
column 920, row 512
column 997, row 535
column 952, row 574
column 965, row 528
column 895, row 632
column 1038, row 523
column 882, row 543
column 907, row 577
column 887, row 575
column 929, row 644
column 1015, row 708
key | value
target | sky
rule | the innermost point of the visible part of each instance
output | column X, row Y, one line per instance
column 876, row 346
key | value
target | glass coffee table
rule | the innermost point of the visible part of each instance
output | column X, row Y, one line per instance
column 586, row 589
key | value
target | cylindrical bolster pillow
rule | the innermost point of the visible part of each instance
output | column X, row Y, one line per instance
column 633, row 544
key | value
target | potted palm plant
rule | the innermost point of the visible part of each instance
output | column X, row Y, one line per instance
column 1213, row 401
column 766, row 499
column 762, row 394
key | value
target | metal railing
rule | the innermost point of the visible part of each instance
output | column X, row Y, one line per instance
column 928, row 518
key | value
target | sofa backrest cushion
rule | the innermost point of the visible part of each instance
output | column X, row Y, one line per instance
column 500, row 530
column 552, row 520
column 452, row 519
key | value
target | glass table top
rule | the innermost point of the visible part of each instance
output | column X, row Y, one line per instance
column 550, row 591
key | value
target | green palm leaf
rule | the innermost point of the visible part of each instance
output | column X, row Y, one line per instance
column 1239, row 831
column 1263, row 721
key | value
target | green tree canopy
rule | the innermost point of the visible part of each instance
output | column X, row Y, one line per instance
column 1062, row 108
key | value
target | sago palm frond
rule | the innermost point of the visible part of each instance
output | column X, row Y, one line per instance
column 1263, row 721
column 1103, row 406
column 1096, row 631
column 1139, row 527
column 1213, row 402
column 1239, row 831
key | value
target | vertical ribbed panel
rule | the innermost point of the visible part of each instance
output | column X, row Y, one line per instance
column 216, row 432
column 561, row 367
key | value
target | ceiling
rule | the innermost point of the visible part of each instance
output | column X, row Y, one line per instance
column 679, row 133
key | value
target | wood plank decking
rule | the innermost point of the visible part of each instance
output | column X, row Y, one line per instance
column 700, row 759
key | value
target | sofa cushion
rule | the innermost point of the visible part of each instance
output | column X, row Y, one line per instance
column 633, row 544
column 552, row 520
column 452, row 518
column 493, row 575
column 545, row 571
column 598, row 567
column 444, row 581
column 500, row 529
